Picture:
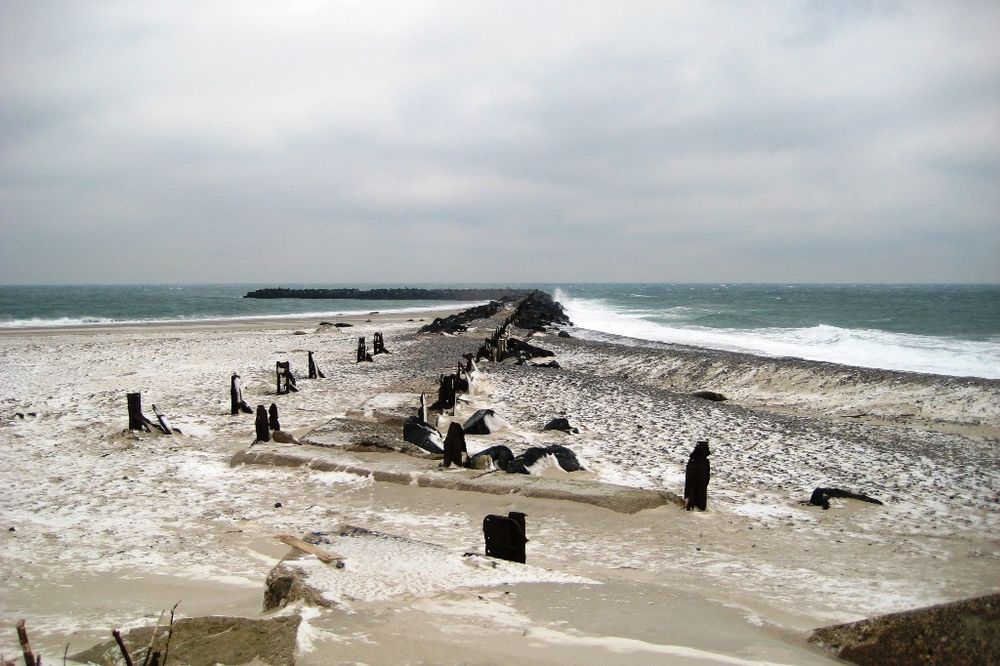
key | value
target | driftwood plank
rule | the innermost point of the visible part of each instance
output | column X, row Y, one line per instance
column 324, row 556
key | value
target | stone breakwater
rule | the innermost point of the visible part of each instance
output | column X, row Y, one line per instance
column 536, row 312
column 400, row 293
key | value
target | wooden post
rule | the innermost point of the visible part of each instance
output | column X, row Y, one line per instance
column 314, row 371
column 272, row 417
column 236, row 402
column 136, row 419
column 261, row 425
column 286, row 380
column 422, row 414
column 505, row 536
column 164, row 424
column 446, row 392
column 29, row 657
column 121, row 646
column 378, row 344
column 454, row 446
column 362, row 349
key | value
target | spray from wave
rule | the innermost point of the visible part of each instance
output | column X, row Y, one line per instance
column 869, row 348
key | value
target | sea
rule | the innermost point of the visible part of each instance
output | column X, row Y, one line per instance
column 939, row 329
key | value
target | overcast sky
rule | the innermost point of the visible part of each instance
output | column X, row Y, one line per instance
column 280, row 142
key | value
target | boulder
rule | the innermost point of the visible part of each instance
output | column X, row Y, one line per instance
column 562, row 424
column 483, row 422
column 495, row 457
column 709, row 395
column 421, row 434
column 282, row 437
column 564, row 334
column 522, row 350
column 565, row 457
column 538, row 311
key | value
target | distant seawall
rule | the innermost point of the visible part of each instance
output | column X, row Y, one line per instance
column 397, row 294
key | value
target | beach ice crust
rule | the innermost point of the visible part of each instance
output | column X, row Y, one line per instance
column 87, row 498
column 637, row 434
column 378, row 567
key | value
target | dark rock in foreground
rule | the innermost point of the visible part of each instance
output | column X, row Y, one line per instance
column 397, row 294
column 963, row 632
column 204, row 641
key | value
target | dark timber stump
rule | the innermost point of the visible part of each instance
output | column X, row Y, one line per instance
column 422, row 412
column 286, row 380
column 363, row 354
column 378, row 345
column 505, row 536
column 314, row 371
column 462, row 383
column 454, row 446
column 261, row 425
column 446, row 393
column 272, row 417
column 236, row 402
column 136, row 419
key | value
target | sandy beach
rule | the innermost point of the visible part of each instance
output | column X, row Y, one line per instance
column 101, row 527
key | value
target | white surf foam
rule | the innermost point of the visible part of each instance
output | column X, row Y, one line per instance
column 859, row 347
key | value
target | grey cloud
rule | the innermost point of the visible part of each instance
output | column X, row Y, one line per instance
column 578, row 141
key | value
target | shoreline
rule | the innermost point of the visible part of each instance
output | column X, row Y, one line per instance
column 155, row 518
column 234, row 323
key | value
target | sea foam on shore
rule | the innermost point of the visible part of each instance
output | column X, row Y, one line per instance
column 865, row 347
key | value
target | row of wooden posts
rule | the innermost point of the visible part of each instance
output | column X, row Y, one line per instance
column 496, row 345
column 286, row 383
column 449, row 386
column 505, row 535
column 378, row 347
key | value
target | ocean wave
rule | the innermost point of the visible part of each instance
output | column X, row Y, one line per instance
column 871, row 348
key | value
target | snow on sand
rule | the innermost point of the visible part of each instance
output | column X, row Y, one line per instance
column 101, row 528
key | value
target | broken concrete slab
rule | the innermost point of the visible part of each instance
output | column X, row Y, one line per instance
column 378, row 566
column 961, row 632
column 392, row 467
column 204, row 641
